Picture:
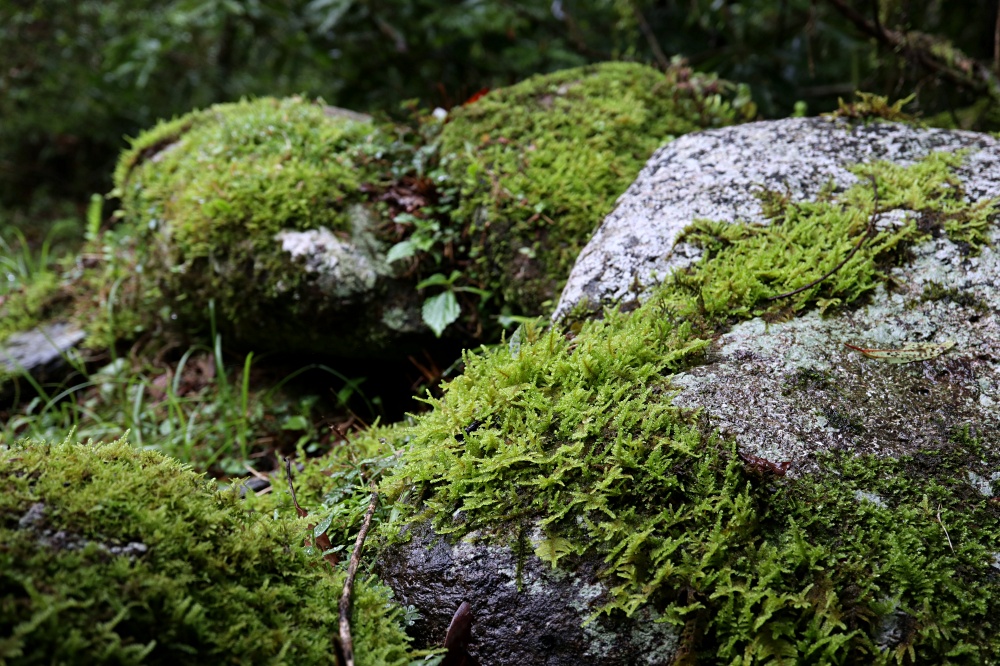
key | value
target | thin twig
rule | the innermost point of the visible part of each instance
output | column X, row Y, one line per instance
column 864, row 237
column 956, row 66
column 291, row 489
column 946, row 535
column 650, row 36
column 346, row 642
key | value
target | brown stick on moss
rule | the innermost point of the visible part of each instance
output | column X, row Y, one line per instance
column 346, row 642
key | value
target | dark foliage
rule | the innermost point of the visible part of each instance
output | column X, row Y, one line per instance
column 76, row 77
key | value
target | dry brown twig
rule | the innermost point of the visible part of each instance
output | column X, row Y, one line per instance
column 346, row 642
column 323, row 540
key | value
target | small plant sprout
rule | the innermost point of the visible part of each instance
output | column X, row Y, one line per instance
column 441, row 310
column 908, row 353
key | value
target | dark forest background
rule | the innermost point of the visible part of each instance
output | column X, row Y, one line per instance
column 76, row 78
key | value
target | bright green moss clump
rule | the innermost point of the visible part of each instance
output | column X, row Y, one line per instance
column 578, row 435
column 110, row 554
column 541, row 163
column 210, row 191
column 746, row 265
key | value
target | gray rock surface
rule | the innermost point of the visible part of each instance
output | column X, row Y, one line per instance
column 527, row 614
column 39, row 352
column 785, row 390
column 714, row 175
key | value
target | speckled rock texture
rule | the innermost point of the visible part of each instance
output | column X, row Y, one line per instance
column 787, row 389
column 527, row 614
column 714, row 174
column 784, row 390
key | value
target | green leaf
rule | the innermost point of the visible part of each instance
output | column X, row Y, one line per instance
column 440, row 279
column 401, row 250
column 297, row 422
column 435, row 280
column 322, row 527
column 440, row 311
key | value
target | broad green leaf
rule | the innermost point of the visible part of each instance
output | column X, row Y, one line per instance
column 401, row 250
column 440, row 311
column 322, row 527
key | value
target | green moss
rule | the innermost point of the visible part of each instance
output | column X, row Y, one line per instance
column 579, row 436
column 541, row 163
column 222, row 182
column 747, row 268
column 934, row 291
column 208, row 582
column 30, row 305
column 870, row 106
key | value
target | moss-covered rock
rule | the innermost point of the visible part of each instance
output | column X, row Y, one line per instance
column 541, row 163
column 875, row 538
column 253, row 207
column 292, row 219
column 109, row 554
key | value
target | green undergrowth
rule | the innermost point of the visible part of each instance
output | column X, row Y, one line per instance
column 31, row 256
column 110, row 554
column 576, row 436
column 541, row 163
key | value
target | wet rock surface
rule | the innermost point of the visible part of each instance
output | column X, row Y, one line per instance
column 521, row 614
column 715, row 175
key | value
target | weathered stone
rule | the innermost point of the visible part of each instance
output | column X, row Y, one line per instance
column 715, row 175
column 527, row 613
column 787, row 389
column 39, row 352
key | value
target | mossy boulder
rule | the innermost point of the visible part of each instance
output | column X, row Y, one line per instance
column 712, row 460
column 542, row 162
column 251, row 213
column 110, row 554
column 299, row 227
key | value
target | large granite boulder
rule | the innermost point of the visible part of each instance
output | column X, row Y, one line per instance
column 788, row 388
column 719, row 175
column 783, row 445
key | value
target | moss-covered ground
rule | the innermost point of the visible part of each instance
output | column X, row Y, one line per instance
column 868, row 561
column 111, row 554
